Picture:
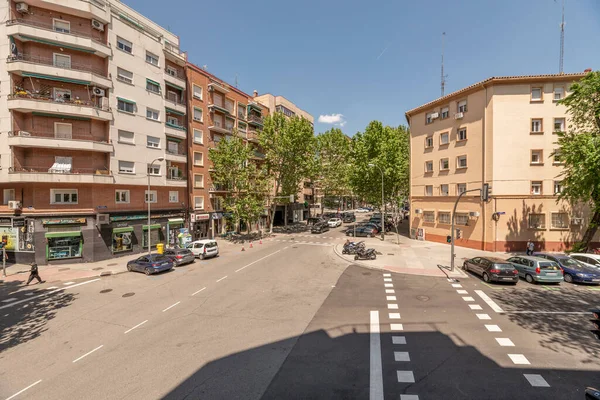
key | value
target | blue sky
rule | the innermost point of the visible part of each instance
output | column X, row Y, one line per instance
column 326, row 56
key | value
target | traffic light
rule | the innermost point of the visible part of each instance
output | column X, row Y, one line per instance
column 485, row 192
column 596, row 323
column 448, row 239
column 458, row 234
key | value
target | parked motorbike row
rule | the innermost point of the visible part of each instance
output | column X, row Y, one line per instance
column 359, row 250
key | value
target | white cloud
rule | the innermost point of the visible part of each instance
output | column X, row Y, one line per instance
column 335, row 119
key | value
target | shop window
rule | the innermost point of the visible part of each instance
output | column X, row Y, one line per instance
column 156, row 235
column 61, row 245
column 8, row 195
column 122, row 239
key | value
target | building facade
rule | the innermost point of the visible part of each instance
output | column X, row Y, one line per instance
column 501, row 131
column 92, row 107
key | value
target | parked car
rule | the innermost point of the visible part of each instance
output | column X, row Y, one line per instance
column 593, row 260
column 362, row 210
column 204, row 248
column 151, row 264
column 537, row 269
column 334, row 222
column 373, row 225
column 319, row 227
column 574, row 271
column 348, row 218
column 492, row 269
column 363, row 230
column 180, row 256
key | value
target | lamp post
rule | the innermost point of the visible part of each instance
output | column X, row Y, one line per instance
column 382, row 201
column 159, row 159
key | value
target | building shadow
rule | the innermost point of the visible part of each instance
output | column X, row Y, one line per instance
column 519, row 231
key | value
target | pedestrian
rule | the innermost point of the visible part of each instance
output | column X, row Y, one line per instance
column 530, row 247
column 34, row 274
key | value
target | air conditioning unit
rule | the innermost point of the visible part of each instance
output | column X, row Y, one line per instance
column 576, row 221
column 14, row 205
column 96, row 91
column 102, row 219
column 22, row 7
column 435, row 115
column 97, row 25
column 474, row 214
column 418, row 211
column 459, row 115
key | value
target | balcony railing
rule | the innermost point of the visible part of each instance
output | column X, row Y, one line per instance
column 175, row 73
column 174, row 49
column 25, row 94
column 176, row 178
column 218, row 188
column 35, row 59
column 53, row 135
column 252, row 135
column 50, row 27
column 175, row 126
column 176, row 153
column 178, row 102
column 255, row 119
column 49, row 170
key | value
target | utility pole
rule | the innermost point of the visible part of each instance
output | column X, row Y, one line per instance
column 443, row 83
column 562, row 40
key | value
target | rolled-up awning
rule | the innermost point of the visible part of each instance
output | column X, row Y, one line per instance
column 62, row 234
column 123, row 229
column 154, row 226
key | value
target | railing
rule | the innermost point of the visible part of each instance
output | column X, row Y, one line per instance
column 52, row 135
column 218, row 188
column 50, row 27
column 252, row 135
column 47, row 98
column 179, row 127
column 178, row 102
column 173, row 49
column 34, row 59
column 174, row 73
column 176, row 178
column 72, row 171
column 176, row 153
column 255, row 118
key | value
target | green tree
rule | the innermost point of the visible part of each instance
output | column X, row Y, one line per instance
column 579, row 150
column 332, row 155
column 289, row 154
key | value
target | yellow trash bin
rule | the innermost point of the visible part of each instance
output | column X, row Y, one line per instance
column 160, row 248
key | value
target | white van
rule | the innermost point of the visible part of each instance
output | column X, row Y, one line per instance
column 204, row 248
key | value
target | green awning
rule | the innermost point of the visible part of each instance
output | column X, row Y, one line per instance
column 125, row 100
column 131, row 21
column 255, row 106
column 154, row 82
column 40, row 114
column 176, row 221
column 62, row 234
column 56, row 44
column 56, row 78
column 154, row 226
column 123, row 229
column 170, row 110
column 174, row 85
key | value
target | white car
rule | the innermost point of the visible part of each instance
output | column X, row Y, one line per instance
column 593, row 260
column 204, row 248
column 334, row 222
column 362, row 210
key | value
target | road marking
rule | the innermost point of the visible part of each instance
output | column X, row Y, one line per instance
column 505, row 342
column 390, row 291
column 254, row 262
column 389, row 285
column 387, row 279
column 22, row 390
column 462, row 291
column 595, row 289
column 137, row 326
column 401, row 356
column 198, row 291
column 550, row 288
column 405, row 376
column 171, row 306
column 546, row 312
column 398, row 339
column 394, row 315
column 392, row 306
column 396, row 327
column 475, row 307
column 44, row 294
column 519, row 359
column 489, row 301
column 51, row 287
column 536, row 380
column 493, row 328
column 386, row 275
column 219, row 280
column 376, row 369
column 582, row 301
column 483, row 316
column 456, row 285
column 409, row 397
column 68, row 283
column 28, row 294
column 9, row 300
column 88, row 353
column 492, row 287
column 390, row 298
column 468, row 299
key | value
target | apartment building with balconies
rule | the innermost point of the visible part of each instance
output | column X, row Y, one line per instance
column 92, row 93
column 500, row 131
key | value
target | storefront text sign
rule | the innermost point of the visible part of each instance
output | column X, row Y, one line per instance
column 5, row 221
column 64, row 221
column 18, row 222
column 142, row 216
column 202, row 217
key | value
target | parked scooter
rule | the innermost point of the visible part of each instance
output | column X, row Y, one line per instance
column 365, row 254
column 352, row 247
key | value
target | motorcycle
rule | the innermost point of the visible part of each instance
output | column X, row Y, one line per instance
column 352, row 247
column 365, row 254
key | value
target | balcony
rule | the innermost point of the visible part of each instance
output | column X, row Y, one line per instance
column 217, row 87
column 177, row 181
column 51, row 141
column 218, row 127
column 24, row 101
column 175, row 79
column 176, row 156
column 252, row 136
column 43, row 175
column 217, row 188
column 42, row 32
column 175, row 130
column 34, row 65
column 215, row 107
column 255, row 120
column 178, row 106
column 97, row 9
column 174, row 53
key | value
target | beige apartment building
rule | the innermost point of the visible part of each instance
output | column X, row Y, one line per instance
column 500, row 131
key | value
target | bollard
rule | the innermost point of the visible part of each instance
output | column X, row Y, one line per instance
column 260, row 242
column 243, row 249
column 251, row 245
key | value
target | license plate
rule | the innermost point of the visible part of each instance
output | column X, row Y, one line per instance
column 552, row 273
column 595, row 280
column 508, row 279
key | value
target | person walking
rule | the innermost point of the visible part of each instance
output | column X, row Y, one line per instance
column 530, row 248
column 34, row 274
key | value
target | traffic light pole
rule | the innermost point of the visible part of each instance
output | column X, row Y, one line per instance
column 452, row 255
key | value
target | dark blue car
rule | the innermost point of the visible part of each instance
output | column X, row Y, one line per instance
column 151, row 264
column 574, row 271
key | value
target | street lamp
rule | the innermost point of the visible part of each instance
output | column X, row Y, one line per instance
column 159, row 159
column 382, row 201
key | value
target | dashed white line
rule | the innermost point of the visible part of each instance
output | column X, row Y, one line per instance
column 219, row 280
column 398, row 339
column 9, row 300
column 88, row 353
column 22, row 390
column 394, row 315
column 198, row 291
column 68, row 283
column 390, row 298
column 47, row 293
column 376, row 369
column 387, row 279
column 392, row 306
column 387, row 275
column 51, row 287
column 456, row 285
column 468, row 299
column 389, row 285
column 461, row 291
column 401, row 356
column 489, row 301
column 171, row 306
column 483, row 316
column 493, row 328
column 405, row 376
column 475, row 307
column 254, row 262
column 390, row 291
column 409, row 397
column 29, row 294
column 536, row 380
column 397, row 327
column 519, row 359
column 137, row 326
column 505, row 342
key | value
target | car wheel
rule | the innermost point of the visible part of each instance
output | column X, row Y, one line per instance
column 465, row 267
column 147, row 271
column 486, row 277
column 202, row 256
column 529, row 278
column 128, row 267
column 356, row 257
column 568, row 278
column 373, row 256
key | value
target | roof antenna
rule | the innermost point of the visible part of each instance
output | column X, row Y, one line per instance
column 236, row 81
column 562, row 40
column 443, row 76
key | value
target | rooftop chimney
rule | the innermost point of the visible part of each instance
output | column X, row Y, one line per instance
column 256, row 92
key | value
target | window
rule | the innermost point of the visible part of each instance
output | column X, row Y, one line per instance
column 461, row 162
column 537, row 125
column 445, row 112
column 151, row 58
column 429, row 190
column 242, row 127
column 429, row 142
column 559, row 93
column 154, row 169
column 172, row 71
column 153, row 142
column 198, row 159
column 125, row 76
column 152, row 198
column 198, row 202
column 61, row 26
column 461, row 219
column 124, row 45
column 444, row 217
column 428, row 216
column 63, row 130
column 173, row 196
column 537, row 221
column 126, row 137
column 429, row 118
column 444, row 138
column 428, row 166
column 197, row 90
column 536, row 94
column 229, row 105
column 537, row 157
column 198, row 114
column 121, row 196
column 536, row 188
column 444, row 164
column 461, row 188
column 556, row 156
column 63, row 196
column 462, row 106
column 125, row 106
column 152, row 114
column 198, row 136
column 558, row 187
column 152, row 86
column 462, row 134
column 198, row 181
column 172, row 120
column 62, row 60
column 241, row 111
column 126, row 167
column 444, row 190
column 173, row 147
column 559, row 124
column 8, row 195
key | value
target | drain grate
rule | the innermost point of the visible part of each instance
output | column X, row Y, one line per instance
column 128, row 294
column 106, row 291
column 111, row 264
column 64, row 269
column 390, row 254
column 97, row 269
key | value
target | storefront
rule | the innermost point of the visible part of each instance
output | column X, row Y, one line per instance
column 63, row 245
column 19, row 231
column 201, row 227
column 174, row 226
column 122, row 239
column 156, row 235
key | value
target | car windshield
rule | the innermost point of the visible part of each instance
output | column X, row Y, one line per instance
column 569, row 262
column 504, row 266
column 549, row 265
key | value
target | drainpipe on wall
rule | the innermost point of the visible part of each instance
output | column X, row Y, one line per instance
column 483, row 178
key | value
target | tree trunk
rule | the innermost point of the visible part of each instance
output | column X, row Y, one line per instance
column 590, row 232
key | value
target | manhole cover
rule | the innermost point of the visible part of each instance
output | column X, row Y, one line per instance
column 366, row 273
column 294, row 247
column 64, row 269
column 97, row 269
column 128, row 294
column 106, row 291
column 390, row 254
column 423, row 298
column 111, row 265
